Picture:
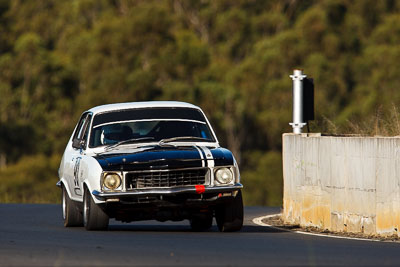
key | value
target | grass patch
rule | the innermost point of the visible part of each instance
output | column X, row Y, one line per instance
column 380, row 124
column 31, row 180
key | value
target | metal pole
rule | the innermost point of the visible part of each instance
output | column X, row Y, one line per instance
column 298, row 120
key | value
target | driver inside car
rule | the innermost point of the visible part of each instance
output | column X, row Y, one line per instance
column 114, row 133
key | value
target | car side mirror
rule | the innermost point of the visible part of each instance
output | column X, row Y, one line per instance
column 78, row 143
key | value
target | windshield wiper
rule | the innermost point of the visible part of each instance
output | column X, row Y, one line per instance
column 178, row 138
column 128, row 141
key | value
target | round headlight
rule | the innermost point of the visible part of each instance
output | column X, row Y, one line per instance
column 224, row 176
column 112, row 181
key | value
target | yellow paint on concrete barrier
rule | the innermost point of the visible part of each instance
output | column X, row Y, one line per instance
column 349, row 184
column 315, row 208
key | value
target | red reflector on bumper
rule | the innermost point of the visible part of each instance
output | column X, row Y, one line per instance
column 200, row 189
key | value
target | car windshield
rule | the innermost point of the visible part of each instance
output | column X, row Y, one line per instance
column 149, row 125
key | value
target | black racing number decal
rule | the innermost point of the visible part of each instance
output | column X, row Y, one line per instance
column 76, row 171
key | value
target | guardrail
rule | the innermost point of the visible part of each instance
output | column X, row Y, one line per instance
column 348, row 184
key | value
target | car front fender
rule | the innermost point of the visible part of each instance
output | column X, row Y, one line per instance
column 91, row 174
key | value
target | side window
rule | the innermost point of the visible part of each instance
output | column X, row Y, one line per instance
column 85, row 129
column 81, row 131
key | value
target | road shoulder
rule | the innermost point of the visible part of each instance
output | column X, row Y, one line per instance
column 275, row 221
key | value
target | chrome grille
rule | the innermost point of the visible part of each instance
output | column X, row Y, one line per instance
column 165, row 178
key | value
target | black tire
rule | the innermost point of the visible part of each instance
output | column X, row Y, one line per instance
column 201, row 222
column 71, row 210
column 229, row 216
column 94, row 218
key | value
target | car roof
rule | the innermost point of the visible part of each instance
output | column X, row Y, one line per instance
column 148, row 104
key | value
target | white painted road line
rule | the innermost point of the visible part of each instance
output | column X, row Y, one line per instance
column 259, row 221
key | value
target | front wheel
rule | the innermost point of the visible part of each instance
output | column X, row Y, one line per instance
column 229, row 216
column 94, row 218
column 71, row 210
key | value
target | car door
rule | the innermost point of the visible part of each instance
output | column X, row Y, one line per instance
column 79, row 144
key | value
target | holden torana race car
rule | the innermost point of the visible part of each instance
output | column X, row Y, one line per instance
column 149, row 160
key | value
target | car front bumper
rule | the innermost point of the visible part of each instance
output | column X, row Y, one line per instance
column 167, row 191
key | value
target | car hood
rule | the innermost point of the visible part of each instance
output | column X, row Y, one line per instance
column 158, row 157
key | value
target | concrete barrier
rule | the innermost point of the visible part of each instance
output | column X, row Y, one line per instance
column 349, row 184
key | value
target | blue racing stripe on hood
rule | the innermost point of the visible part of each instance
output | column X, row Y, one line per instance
column 222, row 156
column 154, row 157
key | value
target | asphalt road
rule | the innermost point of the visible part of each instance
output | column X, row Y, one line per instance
column 33, row 235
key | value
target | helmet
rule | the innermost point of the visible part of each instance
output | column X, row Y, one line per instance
column 114, row 133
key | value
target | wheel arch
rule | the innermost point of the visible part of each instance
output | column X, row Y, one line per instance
column 64, row 184
column 86, row 186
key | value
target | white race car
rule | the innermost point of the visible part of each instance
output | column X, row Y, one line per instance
column 149, row 160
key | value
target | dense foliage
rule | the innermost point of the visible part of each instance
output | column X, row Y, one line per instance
column 232, row 58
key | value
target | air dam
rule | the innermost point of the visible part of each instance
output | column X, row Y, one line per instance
column 342, row 183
